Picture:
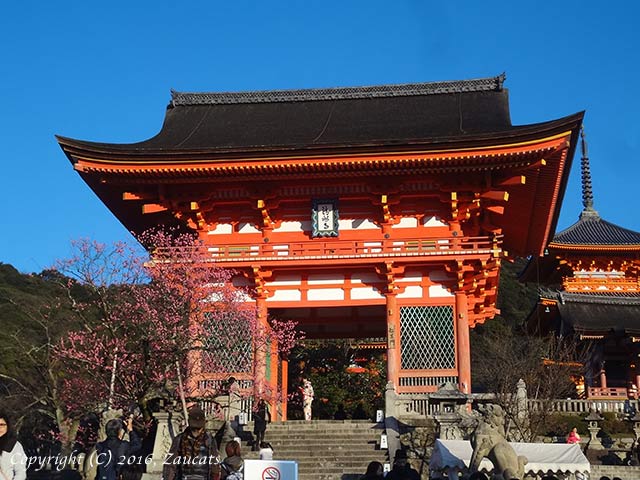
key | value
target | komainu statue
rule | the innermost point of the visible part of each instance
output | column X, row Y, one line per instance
column 488, row 440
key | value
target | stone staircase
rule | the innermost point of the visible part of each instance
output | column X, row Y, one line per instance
column 324, row 449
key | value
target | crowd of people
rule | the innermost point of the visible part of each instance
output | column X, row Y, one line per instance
column 122, row 442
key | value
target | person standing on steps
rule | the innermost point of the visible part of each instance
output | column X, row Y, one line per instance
column 261, row 417
column 193, row 454
column 307, row 398
column 235, row 402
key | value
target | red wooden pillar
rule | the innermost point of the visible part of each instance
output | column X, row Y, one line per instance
column 273, row 386
column 393, row 339
column 260, row 357
column 284, row 365
column 463, row 349
column 603, row 379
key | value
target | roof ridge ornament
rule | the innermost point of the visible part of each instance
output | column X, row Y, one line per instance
column 588, row 213
column 490, row 84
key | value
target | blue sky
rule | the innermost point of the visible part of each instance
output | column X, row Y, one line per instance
column 102, row 71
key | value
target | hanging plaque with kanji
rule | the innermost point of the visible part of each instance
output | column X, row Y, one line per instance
column 324, row 218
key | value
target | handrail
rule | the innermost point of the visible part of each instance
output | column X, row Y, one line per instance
column 341, row 249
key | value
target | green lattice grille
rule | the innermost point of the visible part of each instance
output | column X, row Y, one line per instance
column 228, row 347
column 426, row 338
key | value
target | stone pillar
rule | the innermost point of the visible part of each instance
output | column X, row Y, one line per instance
column 521, row 399
column 393, row 339
column 168, row 428
column 463, row 345
column 391, row 423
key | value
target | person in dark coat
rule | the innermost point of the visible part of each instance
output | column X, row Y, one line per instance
column 261, row 417
column 401, row 469
column 193, row 454
column 374, row 471
column 114, row 452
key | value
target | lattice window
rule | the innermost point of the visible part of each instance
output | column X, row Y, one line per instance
column 228, row 347
column 427, row 338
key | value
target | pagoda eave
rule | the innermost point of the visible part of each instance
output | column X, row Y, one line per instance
column 594, row 248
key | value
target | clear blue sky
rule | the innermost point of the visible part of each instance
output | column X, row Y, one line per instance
column 102, row 71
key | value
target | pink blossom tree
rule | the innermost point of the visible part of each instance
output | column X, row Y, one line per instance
column 158, row 315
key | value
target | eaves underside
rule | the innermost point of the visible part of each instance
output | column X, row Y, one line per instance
column 433, row 161
column 108, row 153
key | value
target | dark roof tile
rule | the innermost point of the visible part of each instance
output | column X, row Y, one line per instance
column 606, row 312
column 591, row 230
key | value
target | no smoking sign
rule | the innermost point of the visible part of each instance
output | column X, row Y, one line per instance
column 269, row 470
column 271, row 473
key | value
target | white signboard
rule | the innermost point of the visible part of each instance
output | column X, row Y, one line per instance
column 270, row 470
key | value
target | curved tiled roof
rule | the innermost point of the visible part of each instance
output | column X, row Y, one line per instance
column 600, row 313
column 591, row 230
column 329, row 118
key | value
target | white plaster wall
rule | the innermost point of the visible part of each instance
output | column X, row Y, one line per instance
column 410, row 277
column 325, row 279
column 406, row 222
column 285, row 296
column 247, row 228
column 221, row 228
column 438, row 291
column 412, row 291
column 325, row 294
column 283, row 280
column 433, row 222
column 365, row 277
column 290, row 226
column 360, row 224
column 365, row 293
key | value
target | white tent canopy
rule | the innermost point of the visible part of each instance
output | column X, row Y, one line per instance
column 543, row 458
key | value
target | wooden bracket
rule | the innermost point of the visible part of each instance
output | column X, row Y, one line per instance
column 386, row 213
column 389, row 271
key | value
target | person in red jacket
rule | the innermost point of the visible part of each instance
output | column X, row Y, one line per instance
column 573, row 436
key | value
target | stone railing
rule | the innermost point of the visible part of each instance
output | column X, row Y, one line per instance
column 580, row 406
column 419, row 406
column 414, row 405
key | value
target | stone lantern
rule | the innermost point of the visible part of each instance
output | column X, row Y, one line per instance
column 594, row 419
column 450, row 403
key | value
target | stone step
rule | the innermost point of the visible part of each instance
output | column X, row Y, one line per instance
column 323, row 449
column 318, row 439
